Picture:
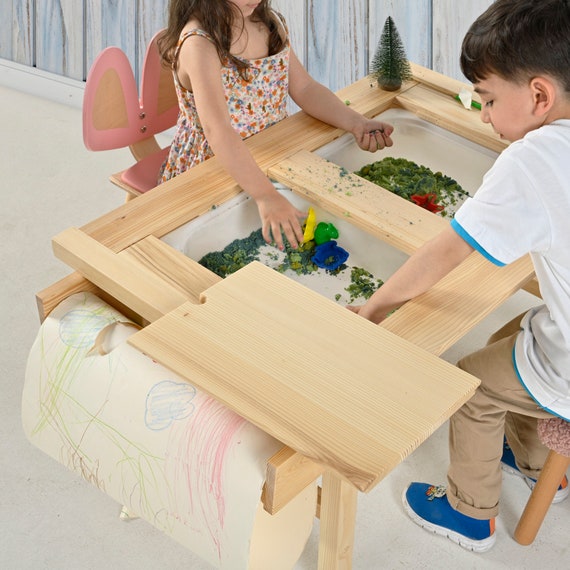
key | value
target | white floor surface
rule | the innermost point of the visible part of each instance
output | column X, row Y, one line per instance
column 52, row 519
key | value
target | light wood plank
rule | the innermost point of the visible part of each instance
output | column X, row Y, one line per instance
column 439, row 82
column 129, row 282
column 50, row 297
column 444, row 111
column 179, row 271
column 437, row 319
column 338, row 519
column 249, row 346
column 377, row 211
column 287, row 474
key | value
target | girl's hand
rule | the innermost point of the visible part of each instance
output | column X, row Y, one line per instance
column 279, row 215
column 373, row 135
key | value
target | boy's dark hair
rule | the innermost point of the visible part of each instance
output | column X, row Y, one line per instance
column 519, row 39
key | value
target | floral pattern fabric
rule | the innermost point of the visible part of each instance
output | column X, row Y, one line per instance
column 253, row 106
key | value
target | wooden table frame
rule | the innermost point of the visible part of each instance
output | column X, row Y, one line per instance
column 128, row 237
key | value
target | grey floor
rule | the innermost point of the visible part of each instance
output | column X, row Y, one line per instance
column 50, row 518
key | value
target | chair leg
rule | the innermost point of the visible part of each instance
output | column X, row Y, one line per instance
column 541, row 497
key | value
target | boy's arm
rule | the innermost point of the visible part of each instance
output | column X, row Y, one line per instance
column 418, row 274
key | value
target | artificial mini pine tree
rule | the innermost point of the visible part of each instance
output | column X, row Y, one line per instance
column 390, row 65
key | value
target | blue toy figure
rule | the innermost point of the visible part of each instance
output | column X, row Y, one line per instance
column 329, row 256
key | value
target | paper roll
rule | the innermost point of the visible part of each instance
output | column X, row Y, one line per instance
column 148, row 438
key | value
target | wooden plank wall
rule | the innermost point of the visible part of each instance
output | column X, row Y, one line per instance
column 335, row 39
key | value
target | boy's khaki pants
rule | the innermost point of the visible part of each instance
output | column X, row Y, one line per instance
column 501, row 406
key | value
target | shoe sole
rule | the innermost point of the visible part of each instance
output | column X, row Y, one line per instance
column 470, row 544
column 560, row 495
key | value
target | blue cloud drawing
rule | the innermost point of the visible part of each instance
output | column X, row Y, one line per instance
column 167, row 402
column 79, row 328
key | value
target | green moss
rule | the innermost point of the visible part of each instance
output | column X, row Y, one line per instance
column 234, row 256
column 406, row 179
column 362, row 284
column 240, row 252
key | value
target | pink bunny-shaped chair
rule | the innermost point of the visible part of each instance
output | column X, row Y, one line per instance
column 114, row 116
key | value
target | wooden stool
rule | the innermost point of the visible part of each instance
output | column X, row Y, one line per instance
column 555, row 434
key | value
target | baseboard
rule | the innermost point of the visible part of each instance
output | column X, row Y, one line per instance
column 41, row 83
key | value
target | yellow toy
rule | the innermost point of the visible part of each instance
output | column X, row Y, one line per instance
column 310, row 223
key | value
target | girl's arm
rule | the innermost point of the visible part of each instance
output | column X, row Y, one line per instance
column 199, row 61
column 321, row 103
column 418, row 274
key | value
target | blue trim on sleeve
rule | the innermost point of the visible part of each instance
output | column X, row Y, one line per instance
column 473, row 243
column 528, row 391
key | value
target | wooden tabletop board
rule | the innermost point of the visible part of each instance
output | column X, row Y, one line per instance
column 324, row 381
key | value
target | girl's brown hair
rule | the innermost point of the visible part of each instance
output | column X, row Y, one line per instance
column 216, row 17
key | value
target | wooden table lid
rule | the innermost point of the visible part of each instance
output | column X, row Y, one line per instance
column 322, row 380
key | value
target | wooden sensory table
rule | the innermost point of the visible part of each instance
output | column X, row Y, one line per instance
column 348, row 399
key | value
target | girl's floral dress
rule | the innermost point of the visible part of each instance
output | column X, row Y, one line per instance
column 253, row 106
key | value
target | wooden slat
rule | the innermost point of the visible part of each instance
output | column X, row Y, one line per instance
column 338, row 521
column 184, row 274
column 287, row 474
column 377, row 211
column 442, row 110
column 50, row 297
column 110, row 24
column 439, row 318
column 439, row 82
column 250, row 345
column 128, row 281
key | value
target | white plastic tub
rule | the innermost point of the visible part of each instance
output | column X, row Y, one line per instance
column 414, row 139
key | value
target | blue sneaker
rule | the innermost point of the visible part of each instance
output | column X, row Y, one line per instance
column 508, row 465
column 427, row 506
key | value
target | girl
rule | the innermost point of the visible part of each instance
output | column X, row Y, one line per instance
column 233, row 68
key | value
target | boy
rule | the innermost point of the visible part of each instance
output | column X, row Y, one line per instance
column 517, row 55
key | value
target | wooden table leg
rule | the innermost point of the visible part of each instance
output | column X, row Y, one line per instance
column 338, row 518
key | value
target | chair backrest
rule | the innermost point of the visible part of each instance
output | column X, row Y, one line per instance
column 114, row 116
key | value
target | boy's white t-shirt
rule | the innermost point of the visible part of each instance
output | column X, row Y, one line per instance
column 523, row 206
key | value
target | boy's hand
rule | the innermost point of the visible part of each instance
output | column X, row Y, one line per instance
column 366, row 312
